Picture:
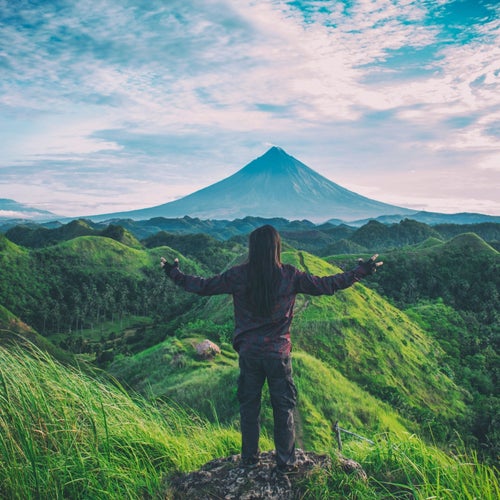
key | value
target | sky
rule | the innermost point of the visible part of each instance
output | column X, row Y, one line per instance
column 112, row 105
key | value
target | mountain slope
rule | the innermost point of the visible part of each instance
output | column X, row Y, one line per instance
column 273, row 185
column 10, row 209
column 14, row 332
column 172, row 371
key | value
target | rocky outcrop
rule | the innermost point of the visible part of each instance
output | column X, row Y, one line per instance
column 207, row 349
column 228, row 479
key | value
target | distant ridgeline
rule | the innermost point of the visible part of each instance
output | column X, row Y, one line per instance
column 321, row 239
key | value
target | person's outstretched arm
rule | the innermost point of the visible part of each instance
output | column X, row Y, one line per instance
column 215, row 285
column 328, row 285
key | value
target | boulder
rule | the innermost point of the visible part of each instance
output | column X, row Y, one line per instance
column 226, row 478
column 207, row 349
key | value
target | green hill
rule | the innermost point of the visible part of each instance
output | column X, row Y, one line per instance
column 84, row 281
column 14, row 332
column 451, row 290
column 375, row 235
column 377, row 346
column 324, row 239
column 203, row 248
column 381, row 372
column 428, row 243
column 172, row 370
column 64, row 434
column 463, row 271
column 34, row 236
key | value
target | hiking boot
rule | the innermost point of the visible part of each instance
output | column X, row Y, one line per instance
column 286, row 470
column 250, row 463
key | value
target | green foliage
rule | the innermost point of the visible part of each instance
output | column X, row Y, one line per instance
column 213, row 254
column 38, row 236
column 216, row 332
column 342, row 247
column 451, row 290
column 172, row 370
column 474, row 364
column 355, row 333
column 106, row 297
column 164, row 368
column 118, row 233
column 463, row 271
column 326, row 397
column 66, row 435
column 406, row 467
column 34, row 236
column 375, row 235
column 87, row 280
column 15, row 332
column 325, row 239
column 489, row 231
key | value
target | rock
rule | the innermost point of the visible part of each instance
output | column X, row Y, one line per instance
column 207, row 349
column 351, row 467
column 226, row 478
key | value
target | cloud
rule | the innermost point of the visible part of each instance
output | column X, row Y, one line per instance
column 194, row 89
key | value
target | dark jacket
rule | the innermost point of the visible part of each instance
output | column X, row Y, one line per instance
column 256, row 335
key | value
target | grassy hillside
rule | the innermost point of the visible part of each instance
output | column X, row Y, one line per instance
column 84, row 281
column 377, row 346
column 64, row 434
column 212, row 254
column 172, row 370
column 13, row 331
column 381, row 372
column 34, row 236
column 451, row 290
column 463, row 271
column 324, row 239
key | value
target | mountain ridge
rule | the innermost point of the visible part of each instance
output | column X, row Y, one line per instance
column 11, row 209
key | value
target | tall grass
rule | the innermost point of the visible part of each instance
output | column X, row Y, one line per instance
column 410, row 465
column 64, row 434
column 406, row 468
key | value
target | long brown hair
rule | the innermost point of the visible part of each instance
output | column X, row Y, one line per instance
column 264, row 264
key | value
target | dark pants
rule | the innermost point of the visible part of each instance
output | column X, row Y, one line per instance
column 253, row 374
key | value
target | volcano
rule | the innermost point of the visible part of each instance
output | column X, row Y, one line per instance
column 273, row 185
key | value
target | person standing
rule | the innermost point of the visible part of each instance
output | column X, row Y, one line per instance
column 264, row 291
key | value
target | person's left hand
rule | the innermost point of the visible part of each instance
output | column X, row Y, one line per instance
column 365, row 268
column 167, row 267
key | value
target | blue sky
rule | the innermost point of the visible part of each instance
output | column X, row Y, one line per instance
column 110, row 105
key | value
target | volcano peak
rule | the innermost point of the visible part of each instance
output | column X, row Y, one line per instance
column 273, row 185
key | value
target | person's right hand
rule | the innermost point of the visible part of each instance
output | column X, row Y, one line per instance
column 367, row 267
column 167, row 267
